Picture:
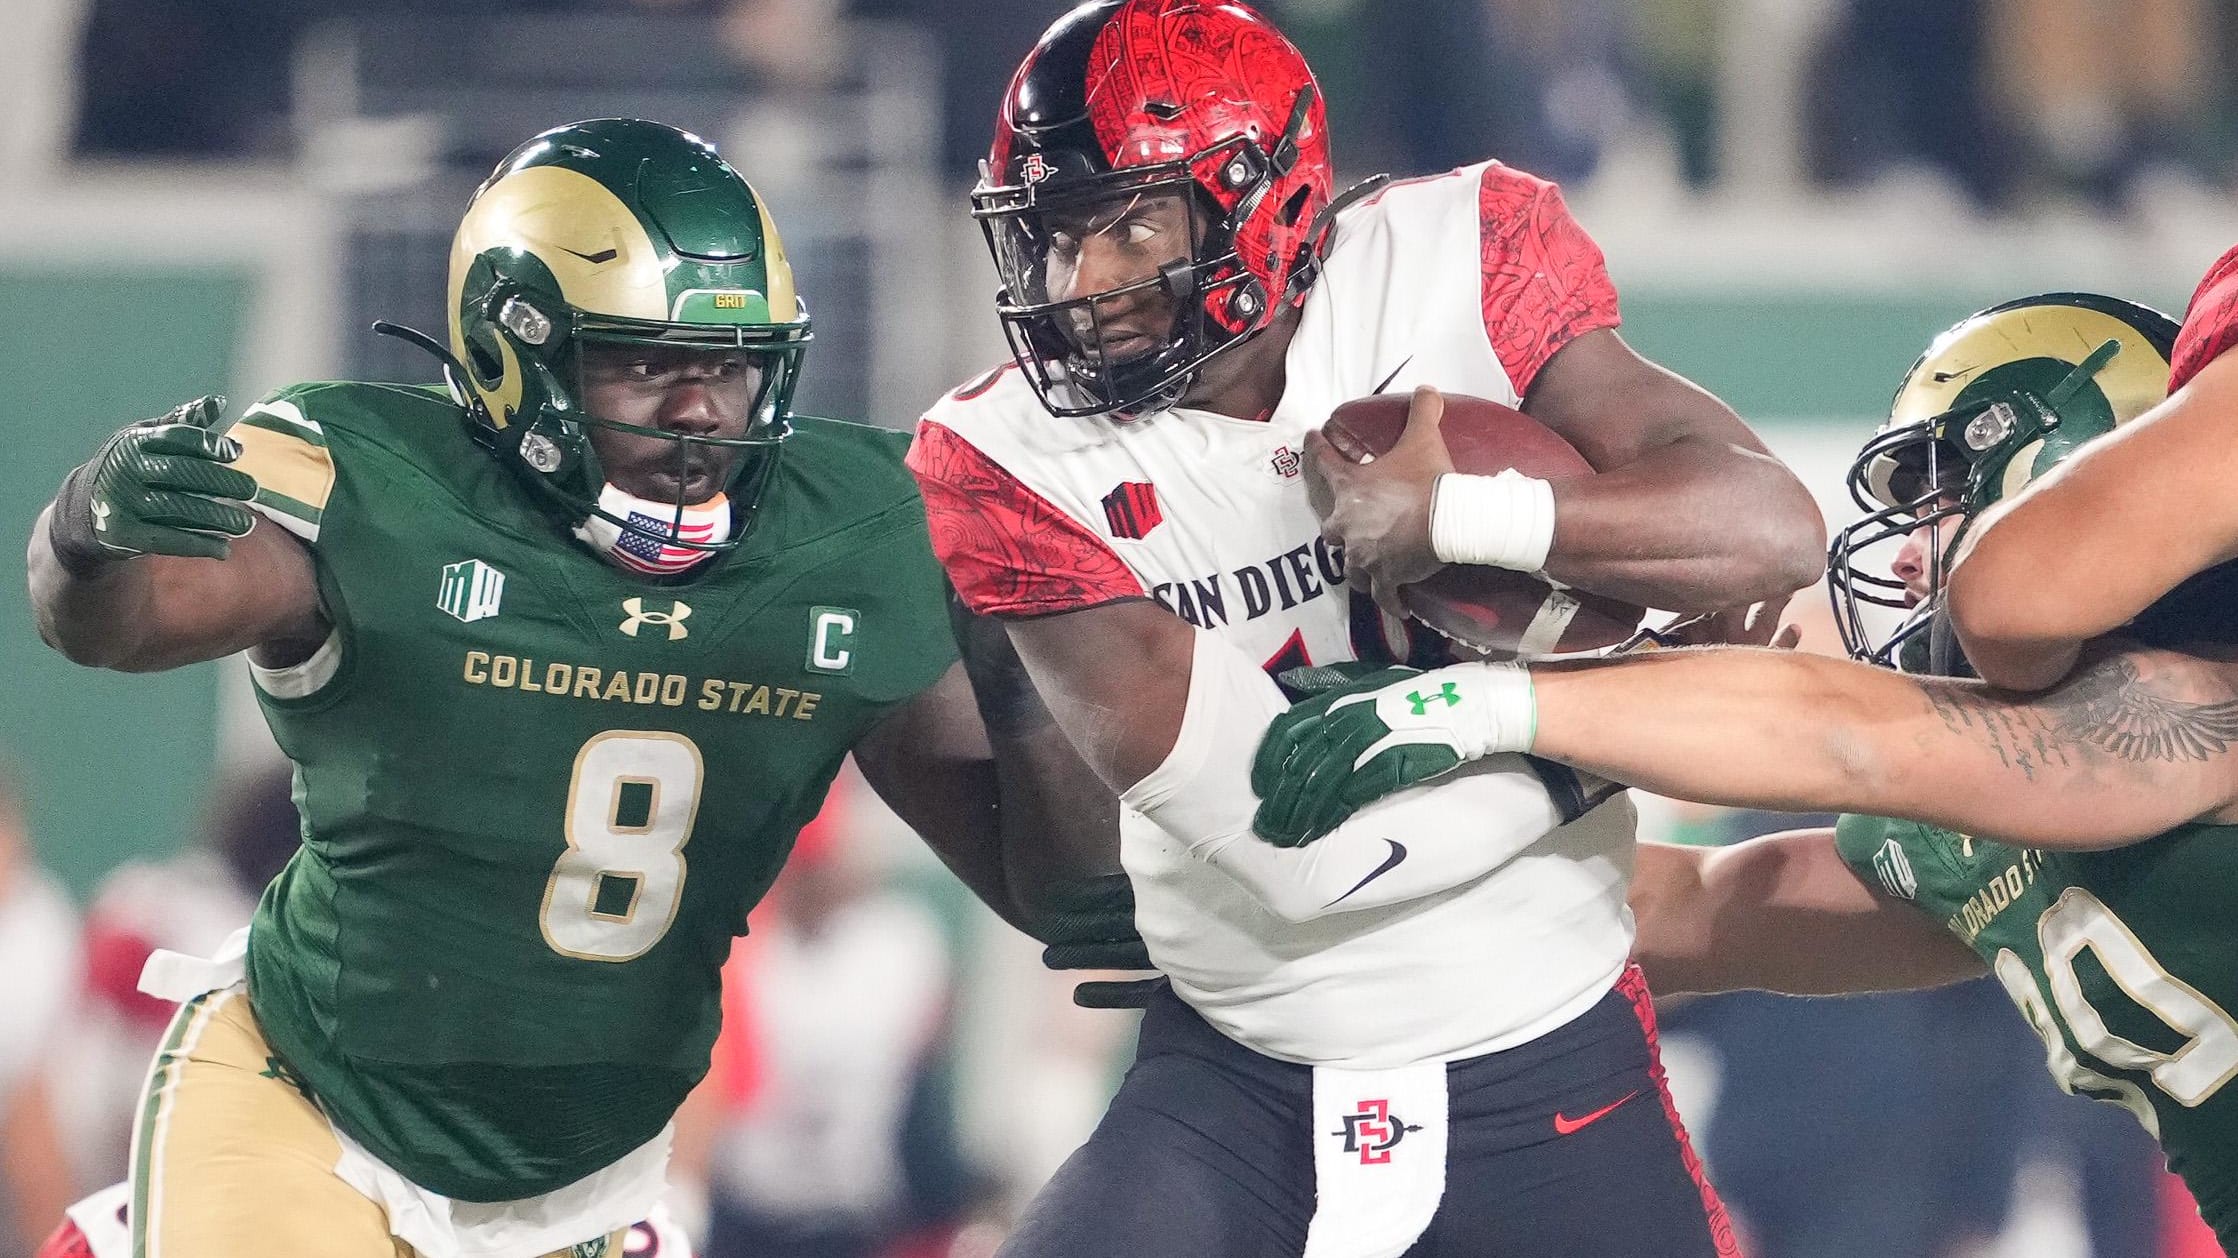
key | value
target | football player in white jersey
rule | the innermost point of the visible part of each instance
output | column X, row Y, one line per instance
column 1422, row 1030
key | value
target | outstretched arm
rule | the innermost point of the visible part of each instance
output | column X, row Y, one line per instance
column 1782, row 913
column 2135, row 742
column 148, row 558
column 2084, row 550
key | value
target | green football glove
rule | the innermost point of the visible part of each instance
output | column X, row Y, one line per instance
column 1090, row 925
column 159, row 487
column 1332, row 754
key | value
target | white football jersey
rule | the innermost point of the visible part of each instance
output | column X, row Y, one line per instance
column 1468, row 281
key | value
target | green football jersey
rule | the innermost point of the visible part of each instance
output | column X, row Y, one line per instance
column 2124, row 961
column 539, row 793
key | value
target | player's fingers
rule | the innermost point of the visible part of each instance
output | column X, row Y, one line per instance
column 190, row 441
column 1425, row 412
column 1320, row 444
column 1134, row 994
column 1317, row 827
column 191, row 475
column 1288, row 790
column 1327, row 769
column 202, row 412
column 1392, row 771
column 1770, row 610
column 1123, row 954
column 1388, row 598
column 194, row 513
column 1276, row 749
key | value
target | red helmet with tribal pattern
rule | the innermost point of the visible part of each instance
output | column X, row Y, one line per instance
column 1124, row 102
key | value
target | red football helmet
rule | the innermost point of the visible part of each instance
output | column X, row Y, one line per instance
column 1124, row 101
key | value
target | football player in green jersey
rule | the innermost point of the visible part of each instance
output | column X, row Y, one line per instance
column 2101, row 902
column 564, row 655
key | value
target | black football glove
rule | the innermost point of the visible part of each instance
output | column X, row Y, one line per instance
column 1090, row 925
column 158, row 487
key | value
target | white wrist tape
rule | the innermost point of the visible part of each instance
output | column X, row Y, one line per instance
column 1503, row 521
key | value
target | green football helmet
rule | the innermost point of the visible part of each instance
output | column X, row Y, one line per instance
column 1997, row 400
column 618, row 232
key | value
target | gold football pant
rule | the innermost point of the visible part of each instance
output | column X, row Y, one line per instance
column 230, row 1159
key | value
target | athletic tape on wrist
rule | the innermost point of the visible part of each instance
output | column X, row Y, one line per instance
column 1503, row 521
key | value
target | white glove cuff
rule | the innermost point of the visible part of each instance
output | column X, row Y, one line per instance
column 1480, row 709
column 1503, row 521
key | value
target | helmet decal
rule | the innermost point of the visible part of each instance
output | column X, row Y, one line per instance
column 602, row 258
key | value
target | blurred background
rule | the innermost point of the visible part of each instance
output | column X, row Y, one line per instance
column 219, row 195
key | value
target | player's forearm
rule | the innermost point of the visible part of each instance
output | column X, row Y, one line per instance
column 148, row 613
column 1059, row 821
column 98, row 618
column 1742, row 728
column 2133, row 744
column 1780, row 914
column 1692, row 525
column 1401, row 848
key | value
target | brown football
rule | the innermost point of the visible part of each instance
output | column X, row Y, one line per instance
column 1491, row 609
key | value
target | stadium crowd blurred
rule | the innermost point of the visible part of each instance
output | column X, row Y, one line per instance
column 2011, row 101
column 912, row 1117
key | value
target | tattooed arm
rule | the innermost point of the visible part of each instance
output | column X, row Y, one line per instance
column 2135, row 742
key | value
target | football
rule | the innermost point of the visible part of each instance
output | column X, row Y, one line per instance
column 1494, row 610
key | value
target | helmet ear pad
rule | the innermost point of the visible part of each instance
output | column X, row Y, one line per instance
column 526, row 386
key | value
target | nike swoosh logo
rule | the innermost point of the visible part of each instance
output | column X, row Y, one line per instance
column 1564, row 1125
column 1391, row 862
column 603, row 255
column 1394, row 374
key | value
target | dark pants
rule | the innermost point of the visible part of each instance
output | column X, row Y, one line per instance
column 1207, row 1151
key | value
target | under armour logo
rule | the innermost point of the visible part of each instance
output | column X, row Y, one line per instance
column 1422, row 702
column 672, row 619
column 100, row 515
column 1372, row 1131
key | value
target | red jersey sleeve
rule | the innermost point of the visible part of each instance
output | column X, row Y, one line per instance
column 2210, row 322
column 1008, row 551
column 1545, row 282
